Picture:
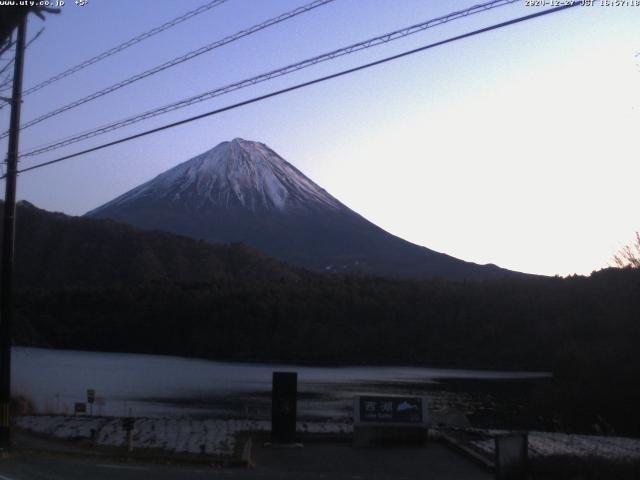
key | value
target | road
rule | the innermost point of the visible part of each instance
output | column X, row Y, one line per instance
column 314, row 461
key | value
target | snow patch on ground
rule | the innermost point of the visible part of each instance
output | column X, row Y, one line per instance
column 544, row 444
column 218, row 437
column 184, row 435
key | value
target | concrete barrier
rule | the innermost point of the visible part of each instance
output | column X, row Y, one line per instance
column 512, row 456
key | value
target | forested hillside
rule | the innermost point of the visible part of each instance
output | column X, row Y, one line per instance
column 54, row 250
column 97, row 285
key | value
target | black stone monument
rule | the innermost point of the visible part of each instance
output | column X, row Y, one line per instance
column 284, row 398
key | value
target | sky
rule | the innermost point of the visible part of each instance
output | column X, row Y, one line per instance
column 516, row 147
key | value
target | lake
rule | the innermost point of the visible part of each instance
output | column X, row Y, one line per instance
column 154, row 385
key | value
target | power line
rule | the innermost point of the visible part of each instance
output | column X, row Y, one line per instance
column 372, row 42
column 304, row 84
column 7, row 46
column 10, row 43
column 125, row 45
column 176, row 61
column 6, row 85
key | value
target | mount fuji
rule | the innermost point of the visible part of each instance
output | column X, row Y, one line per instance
column 242, row 191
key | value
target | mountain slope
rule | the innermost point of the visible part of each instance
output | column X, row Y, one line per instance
column 242, row 191
column 54, row 250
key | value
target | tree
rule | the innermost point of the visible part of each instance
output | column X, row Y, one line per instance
column 629, row 256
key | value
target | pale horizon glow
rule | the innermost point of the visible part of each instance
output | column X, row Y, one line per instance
column 514, row 148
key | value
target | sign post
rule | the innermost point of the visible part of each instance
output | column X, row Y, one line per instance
column 91, row 397
column 127, row 426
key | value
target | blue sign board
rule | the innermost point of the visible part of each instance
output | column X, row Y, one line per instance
column 391, row 409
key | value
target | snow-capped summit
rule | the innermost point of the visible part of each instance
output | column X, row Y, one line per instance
column 236, row 173
column 242, row 191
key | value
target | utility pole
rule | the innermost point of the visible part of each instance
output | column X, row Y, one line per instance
column 8, row 242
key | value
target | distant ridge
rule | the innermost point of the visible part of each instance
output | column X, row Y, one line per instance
column 242, row 191
column 55, row 251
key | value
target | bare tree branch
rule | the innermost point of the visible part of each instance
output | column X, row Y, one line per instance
column 629, row 256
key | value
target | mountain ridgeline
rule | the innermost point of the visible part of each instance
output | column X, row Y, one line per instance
column 242, row 191
column 55, row 251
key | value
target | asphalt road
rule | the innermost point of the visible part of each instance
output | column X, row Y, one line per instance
column 23, row 467
column 314, row 461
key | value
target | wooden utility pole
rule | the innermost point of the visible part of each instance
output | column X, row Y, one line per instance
column 8, row 242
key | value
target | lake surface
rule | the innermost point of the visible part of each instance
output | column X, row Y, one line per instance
column 153, row 385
